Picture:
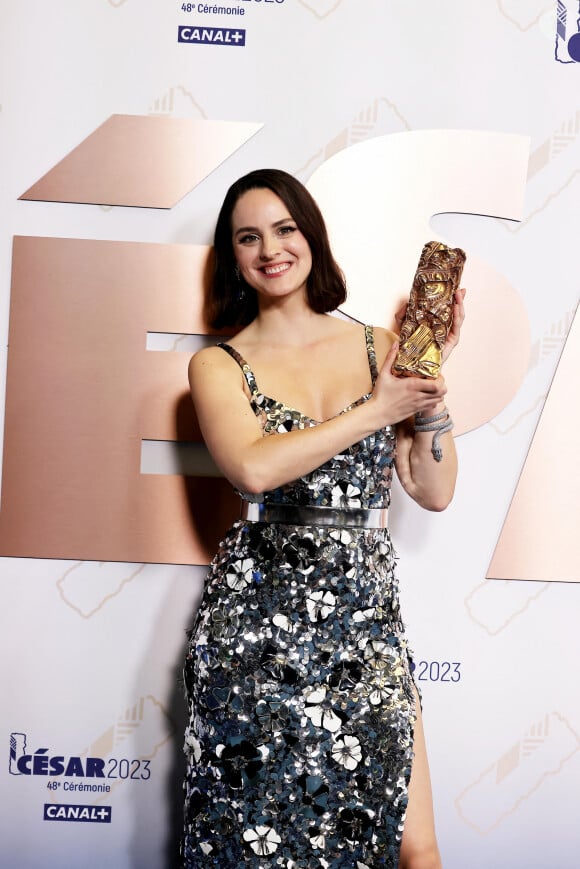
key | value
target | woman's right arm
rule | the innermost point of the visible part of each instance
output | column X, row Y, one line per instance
column 254, row 463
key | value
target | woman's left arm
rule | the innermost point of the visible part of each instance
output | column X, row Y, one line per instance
column 431, row 483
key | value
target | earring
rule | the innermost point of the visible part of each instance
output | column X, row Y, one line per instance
column 241, row 291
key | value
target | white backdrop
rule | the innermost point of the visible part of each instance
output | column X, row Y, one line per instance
column 91, row 652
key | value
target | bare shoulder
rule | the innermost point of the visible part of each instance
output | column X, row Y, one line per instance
column 210, row 364
column 384, row 339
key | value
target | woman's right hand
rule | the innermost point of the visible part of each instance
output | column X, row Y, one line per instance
column 397, row 398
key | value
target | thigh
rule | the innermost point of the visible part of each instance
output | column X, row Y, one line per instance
column 419, row 845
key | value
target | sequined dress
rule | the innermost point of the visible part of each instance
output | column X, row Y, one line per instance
column 297, row 674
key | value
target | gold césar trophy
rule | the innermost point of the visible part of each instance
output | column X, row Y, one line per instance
column 429, row 313
column 427, row 322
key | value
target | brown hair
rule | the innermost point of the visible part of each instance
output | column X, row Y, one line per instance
column 231, row 301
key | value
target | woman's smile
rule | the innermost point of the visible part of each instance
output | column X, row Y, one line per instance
column 275, row 271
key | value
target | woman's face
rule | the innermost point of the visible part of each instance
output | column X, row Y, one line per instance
column 272, row 254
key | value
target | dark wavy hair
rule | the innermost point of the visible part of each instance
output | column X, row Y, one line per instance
column 231, row 301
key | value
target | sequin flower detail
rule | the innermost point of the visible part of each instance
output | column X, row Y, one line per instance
column 225, row 621
column 275, row 661
column 300, row 552
column 192, row 746
column 346, row 675
column 260, row 544
column 315, row 796
column 262, row 840
column 378, row 655
column 320, row 605
column 223, row 697
column 272, row 714
column 355, row 824
column 241, row 762
column 320, row 711
column 380, row 693
column 347, row 751
column 239, row 574
column 225, row 819
column 345, row 495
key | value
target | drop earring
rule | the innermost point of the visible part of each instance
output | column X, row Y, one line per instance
column 241, row 292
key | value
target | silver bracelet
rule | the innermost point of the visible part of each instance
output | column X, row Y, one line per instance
column 439, row 423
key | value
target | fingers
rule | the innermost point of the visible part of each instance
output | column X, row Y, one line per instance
column 391, row 356
column 432, row 390
column 424, row 395
column 430, row 393
column 458, row 309
column 386, row 367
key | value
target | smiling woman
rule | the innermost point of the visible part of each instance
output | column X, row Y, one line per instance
column 305, row 744
column 235, row 303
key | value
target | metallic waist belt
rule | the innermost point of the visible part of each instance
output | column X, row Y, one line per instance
column 290, row 514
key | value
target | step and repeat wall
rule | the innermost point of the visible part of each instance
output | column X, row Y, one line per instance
column 122, row 124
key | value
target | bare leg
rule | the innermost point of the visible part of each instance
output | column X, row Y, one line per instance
column 419, row 848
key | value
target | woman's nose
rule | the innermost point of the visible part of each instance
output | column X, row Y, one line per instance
column 270, row 247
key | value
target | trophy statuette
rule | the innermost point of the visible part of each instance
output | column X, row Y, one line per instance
column 429, row 313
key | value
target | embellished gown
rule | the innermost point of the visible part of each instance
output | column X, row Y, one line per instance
column 297, row 673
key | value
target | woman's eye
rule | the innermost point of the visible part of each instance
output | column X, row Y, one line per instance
column 286, row 230
column 247, row 239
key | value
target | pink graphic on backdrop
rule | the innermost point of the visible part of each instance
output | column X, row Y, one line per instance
column 146, row 161
column 539, row 539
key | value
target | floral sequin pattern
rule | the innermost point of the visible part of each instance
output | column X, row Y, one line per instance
column 358, row 477
column 299, row 743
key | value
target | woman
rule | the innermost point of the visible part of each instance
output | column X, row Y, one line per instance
column 304, row 719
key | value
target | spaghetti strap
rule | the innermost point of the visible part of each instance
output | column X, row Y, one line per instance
column 372, row 356
column 246, row 370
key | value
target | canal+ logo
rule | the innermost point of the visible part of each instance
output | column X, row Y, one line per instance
column 80, row 813
column 211, row 35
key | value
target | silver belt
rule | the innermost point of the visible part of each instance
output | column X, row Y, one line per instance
column 290, row 514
